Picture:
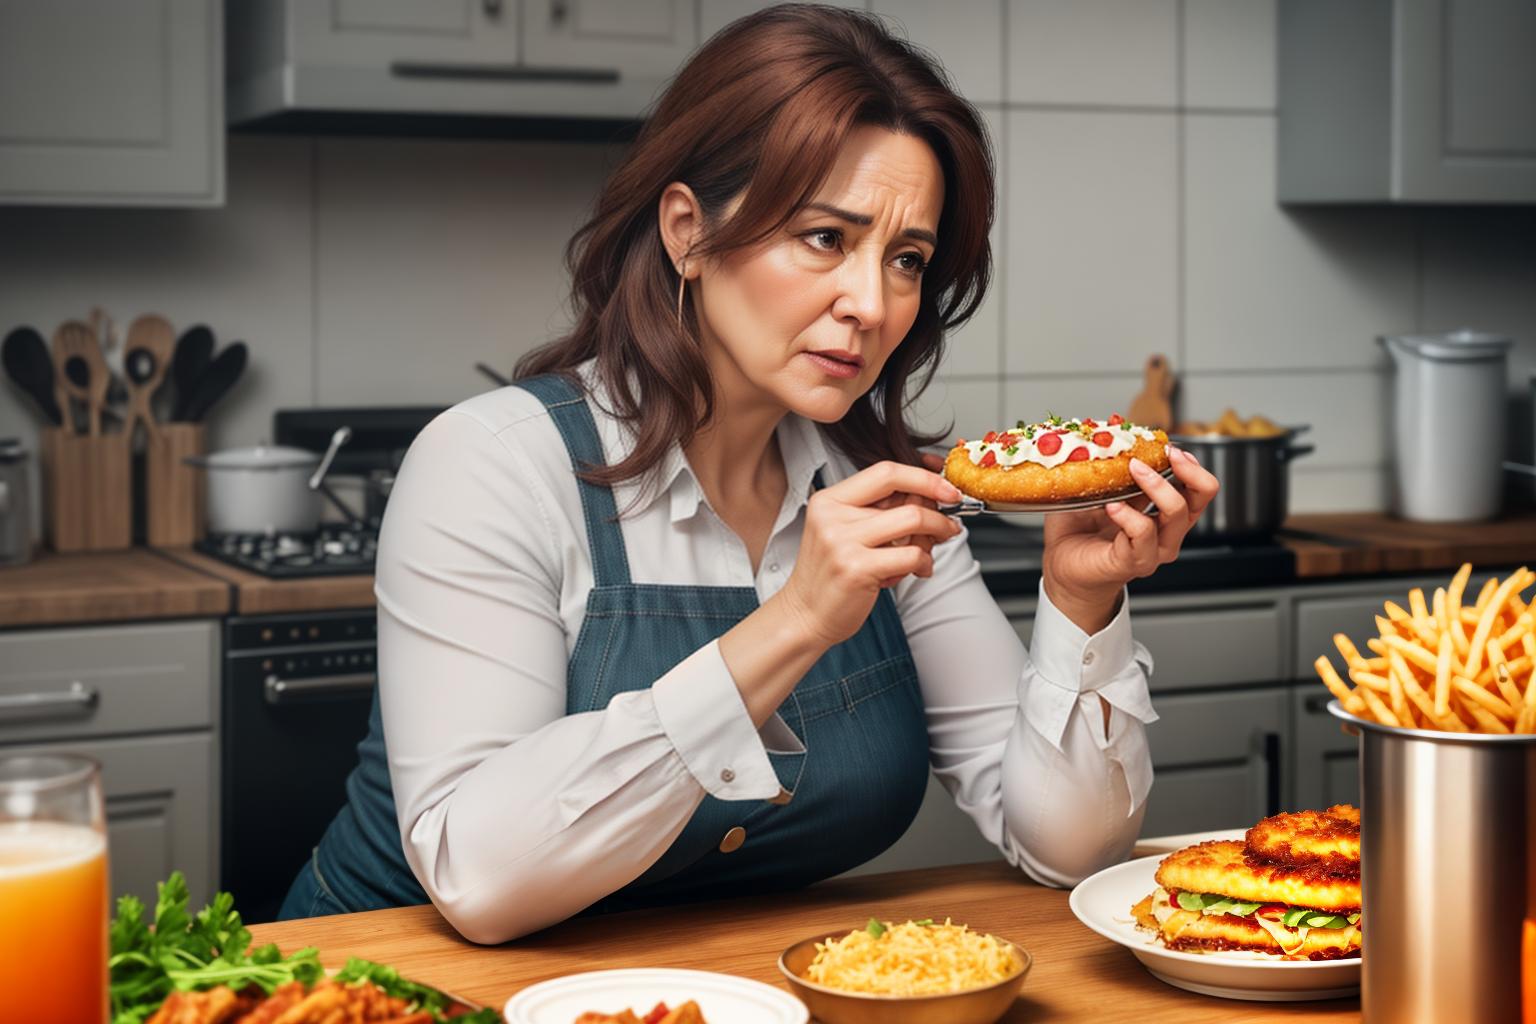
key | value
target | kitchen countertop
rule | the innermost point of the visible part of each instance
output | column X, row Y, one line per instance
column 1077, row 975
column 106, row 586
column 140, row 583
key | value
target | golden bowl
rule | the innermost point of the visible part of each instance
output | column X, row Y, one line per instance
column 835, row 1006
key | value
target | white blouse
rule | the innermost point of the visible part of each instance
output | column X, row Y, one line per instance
column 515, row 815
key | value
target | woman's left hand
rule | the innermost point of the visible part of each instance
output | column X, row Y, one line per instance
column 1090, row 556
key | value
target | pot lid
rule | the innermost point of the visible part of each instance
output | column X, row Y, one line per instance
column 1463, row 344
column 262, row 456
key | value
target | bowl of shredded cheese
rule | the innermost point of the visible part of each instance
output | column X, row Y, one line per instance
column 915, row 971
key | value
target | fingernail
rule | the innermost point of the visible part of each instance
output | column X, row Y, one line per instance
column 1174, row 451
column 1139, row 467
column 1114, row 506
column 951, row 493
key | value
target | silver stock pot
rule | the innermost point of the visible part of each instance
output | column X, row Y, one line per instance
column 1255, row 481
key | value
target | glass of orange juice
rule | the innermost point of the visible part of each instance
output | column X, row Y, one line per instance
column 53, row 890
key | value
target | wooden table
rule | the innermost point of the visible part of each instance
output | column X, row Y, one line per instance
column 1077, row 975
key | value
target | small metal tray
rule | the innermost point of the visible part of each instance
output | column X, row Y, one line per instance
column 969, row 506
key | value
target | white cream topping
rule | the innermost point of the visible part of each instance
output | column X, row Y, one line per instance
column 1122, row 438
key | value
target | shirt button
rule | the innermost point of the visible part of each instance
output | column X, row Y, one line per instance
column 727, row 775
column 733, row 840
column 1087, row 657
column 773, row 566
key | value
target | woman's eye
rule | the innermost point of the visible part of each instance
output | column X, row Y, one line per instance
column 911, row 263
column 825, row 240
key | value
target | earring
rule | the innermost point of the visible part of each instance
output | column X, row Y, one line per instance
column 682, row 283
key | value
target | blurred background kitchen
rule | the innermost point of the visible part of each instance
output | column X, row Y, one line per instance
column 373, row 197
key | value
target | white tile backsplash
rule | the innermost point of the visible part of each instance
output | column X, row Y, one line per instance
column 1092, row 240
column 965, row 35
column 976, row 348
column 1357, row 489
column 1274, row 288
column 1093, row 52
column 1229, row 54
column 970, row 404
column 434, row 256
column 1033, row 398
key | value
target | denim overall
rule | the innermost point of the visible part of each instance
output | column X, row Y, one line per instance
column 858, row 713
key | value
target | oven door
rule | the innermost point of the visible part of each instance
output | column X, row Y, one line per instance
column 292, row 719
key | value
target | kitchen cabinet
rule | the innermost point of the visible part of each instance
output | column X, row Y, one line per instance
column 296, row 62
column 1218, row 759
column 141, row 700
column 1411, row 101
column 111, row 103
column 1324, row 764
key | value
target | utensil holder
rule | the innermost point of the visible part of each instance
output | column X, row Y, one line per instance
column 175, row 508
column 88, row 491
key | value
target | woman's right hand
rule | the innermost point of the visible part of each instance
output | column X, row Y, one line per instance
column 861, row 534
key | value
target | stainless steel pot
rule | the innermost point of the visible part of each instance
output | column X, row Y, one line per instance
column 1447, row 872
column 16, row 541
column 1255, row 481
column 267, row 489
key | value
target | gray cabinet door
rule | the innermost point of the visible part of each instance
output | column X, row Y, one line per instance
column 374, row 33
column 111, row 102
column 161, row 809
column 1324, row 761
column 1218, row 759
column 645, row 41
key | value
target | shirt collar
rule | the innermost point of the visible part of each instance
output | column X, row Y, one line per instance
column 800, row 443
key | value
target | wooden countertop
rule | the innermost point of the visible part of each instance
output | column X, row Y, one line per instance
column 258, row 595
column 106, row 586
column 1363, row 544
column 1077, row 975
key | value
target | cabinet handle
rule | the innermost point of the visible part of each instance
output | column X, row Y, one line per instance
column 492, row 8
column 501, row 72
column 559, row 10
column 287, row 691
column 77, row 698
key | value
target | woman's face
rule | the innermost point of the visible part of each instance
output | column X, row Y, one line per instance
column 806, row 320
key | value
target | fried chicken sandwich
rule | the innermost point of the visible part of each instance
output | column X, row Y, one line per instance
column 1289, row 889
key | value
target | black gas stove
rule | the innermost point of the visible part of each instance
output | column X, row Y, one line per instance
column 337, row 549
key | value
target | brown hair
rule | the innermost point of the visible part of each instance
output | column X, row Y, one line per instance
column 760, row 112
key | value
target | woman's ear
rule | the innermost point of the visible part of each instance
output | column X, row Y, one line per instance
column 681, row 221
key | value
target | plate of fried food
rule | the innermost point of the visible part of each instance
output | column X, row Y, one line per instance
column 1059, row 464
column 1443, row 664
column 185, row 968
column 1270, row 914
column 653, row 995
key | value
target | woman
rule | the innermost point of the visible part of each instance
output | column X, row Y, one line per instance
column 675, row 616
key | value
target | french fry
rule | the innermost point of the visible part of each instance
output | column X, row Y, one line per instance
column 1481, row 697
column 1489, row 587
column 1416, row 604
column 1521, row 627
column 1398, row 697
column 1376, row 646
column 1507, row 688
column 1453, row 596
column 1420, row 699
column 1383, row 713
column 1370, row 680
column 1414, row 653
column 1348, row 651
column 1377, row 665
column 1443, row 676
column 1499, row 595
column 1351, row 703
column 1488, row 722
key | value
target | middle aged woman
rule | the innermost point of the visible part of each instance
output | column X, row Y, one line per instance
column 675, row 617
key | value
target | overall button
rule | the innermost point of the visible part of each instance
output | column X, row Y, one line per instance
column 733, row 840
column 726, row 775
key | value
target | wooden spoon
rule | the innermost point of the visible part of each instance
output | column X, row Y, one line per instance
column 82, row 370
column 1152, row 407
column 146, row 358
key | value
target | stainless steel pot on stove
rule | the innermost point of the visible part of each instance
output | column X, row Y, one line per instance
column 267, row 489
column 1255, row 481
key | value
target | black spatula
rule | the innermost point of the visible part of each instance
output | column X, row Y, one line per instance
column 28, row 363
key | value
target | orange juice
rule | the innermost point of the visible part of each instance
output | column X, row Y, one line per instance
column 53, row 923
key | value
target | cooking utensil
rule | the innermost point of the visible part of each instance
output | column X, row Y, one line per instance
column 835, row 1006
column 194, row 350
column 1255, row 481
column 264, row 489
column 214, row 383
column 16, row 543
column 495, row 375
column 27, row 362
column 82, row 370
column 317, row 479
column 1447, row 844
column 969, row 506
column 146, row 358
column 1448, row 407
column 1152, row 407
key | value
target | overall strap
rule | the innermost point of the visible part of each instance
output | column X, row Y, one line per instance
column 573, row 418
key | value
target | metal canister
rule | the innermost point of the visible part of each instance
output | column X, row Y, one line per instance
column 1447, row 842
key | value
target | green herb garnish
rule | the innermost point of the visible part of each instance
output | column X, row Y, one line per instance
column 875, row 928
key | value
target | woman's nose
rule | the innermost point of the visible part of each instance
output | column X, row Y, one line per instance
column 861, row 299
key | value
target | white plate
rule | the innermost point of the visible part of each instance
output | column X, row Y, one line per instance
column 722, row 997
column 1103, row 902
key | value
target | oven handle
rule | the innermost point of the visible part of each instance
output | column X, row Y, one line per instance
column 78, row 697
column 287, row 691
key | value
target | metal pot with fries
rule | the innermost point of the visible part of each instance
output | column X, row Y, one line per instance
column 1445, row 707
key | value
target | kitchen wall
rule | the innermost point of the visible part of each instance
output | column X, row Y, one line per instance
column 1136, row 152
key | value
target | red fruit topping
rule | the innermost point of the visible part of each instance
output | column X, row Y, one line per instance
column 1090, row 424
column 1078, row 455
column 1103, row 439
column 1116, row 420
column 1007, row 439
column 960, row 443
column 991, row 436
column 1049, row 444
column 989, row 459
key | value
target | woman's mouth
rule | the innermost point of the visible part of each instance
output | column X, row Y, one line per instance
column 837, row 363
